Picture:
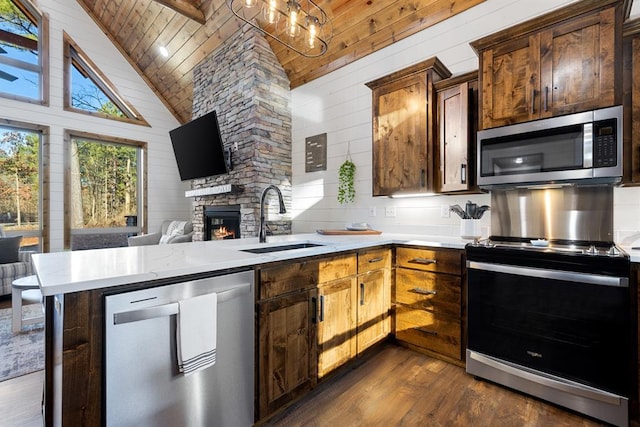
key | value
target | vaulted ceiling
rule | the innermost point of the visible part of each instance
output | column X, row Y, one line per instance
column 193, row 29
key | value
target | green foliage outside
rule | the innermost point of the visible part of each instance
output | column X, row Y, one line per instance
column 107, row 178
column 19, row 181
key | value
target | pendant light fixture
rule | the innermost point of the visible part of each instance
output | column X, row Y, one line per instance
column 300, row 25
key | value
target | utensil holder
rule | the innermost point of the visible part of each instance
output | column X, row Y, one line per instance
column 470, row 229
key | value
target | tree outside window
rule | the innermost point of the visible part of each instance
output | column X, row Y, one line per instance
column 105, row 190
column 20, row 183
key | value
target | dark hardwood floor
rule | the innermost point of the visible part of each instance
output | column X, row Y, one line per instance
column 399, row 387
column 393, row 387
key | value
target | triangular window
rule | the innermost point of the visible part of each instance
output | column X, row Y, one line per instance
column 87, row 89
column 22, row 51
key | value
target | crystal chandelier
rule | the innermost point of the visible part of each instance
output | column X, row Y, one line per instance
column 302, row 25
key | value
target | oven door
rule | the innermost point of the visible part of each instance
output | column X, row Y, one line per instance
column 570, row 325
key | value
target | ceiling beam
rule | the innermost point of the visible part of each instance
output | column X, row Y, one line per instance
column 187, row 8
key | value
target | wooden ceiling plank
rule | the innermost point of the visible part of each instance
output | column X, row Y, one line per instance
column 122, row 50
column 408, row 25
column 150, row 36
column 143, row 26
column 186, row 8
column 163, row 37
column 177, row 42
column 126, row 7
column 131, row 24
column 99, row 6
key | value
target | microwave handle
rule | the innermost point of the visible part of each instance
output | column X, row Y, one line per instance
column 587, row 146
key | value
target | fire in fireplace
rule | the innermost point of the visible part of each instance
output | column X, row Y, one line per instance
column 221, row 222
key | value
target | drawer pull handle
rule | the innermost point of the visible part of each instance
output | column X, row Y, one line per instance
column 423, row 291
column 427, row 331
column 423, row 261
column 376, row 259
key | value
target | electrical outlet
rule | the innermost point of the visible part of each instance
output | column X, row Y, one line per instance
column 444, row 211
column 372, row 211
column 390, row 211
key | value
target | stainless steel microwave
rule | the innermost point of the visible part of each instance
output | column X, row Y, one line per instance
column 577, row 148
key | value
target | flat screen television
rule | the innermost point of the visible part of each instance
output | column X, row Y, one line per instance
column 198, row 148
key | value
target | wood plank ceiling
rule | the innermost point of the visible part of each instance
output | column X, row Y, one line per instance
column 193, row 29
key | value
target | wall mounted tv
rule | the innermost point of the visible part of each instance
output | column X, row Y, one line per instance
column 198, row 148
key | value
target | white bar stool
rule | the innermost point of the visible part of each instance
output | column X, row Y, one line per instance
column 24, row 291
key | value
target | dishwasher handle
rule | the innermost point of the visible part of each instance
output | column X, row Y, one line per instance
column 172, row 308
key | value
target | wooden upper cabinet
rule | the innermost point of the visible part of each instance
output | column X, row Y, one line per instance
column 560, row 63
column 456, row 133
column 631, row 119
column 403, row 129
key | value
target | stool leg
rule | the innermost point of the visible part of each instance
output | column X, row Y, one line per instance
column 16, row 309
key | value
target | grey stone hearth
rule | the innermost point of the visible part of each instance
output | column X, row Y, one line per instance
column 244, row 82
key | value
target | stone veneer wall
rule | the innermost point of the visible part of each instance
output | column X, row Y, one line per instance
column 246, row 85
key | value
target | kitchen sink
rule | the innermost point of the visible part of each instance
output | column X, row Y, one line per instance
column 268, row 249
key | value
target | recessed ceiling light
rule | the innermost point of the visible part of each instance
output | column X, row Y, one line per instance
column 163, row 51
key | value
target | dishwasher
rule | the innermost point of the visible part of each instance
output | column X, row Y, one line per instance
column 143, row 386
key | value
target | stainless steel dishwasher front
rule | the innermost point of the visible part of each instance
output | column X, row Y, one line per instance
column 143, row 384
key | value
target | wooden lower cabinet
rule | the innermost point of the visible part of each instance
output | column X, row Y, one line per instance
column 337, row 305
column 374, row 302
column 428, row 299
column 286, row 349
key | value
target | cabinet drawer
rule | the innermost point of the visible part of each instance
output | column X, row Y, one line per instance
column 436, row 260
column 374, row 260
column 288, row 277
column 337, row 267
column 439, row 293
column 425, row 329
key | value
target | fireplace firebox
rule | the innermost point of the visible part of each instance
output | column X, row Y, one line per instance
column 221, row 222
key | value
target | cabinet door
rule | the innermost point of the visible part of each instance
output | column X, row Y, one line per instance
column 634, row 123
column 453, row 147
column 510, row 82
column 286, row 349
column 400, row 156
column 374, row 303
column 578, row 64
column 337, row 305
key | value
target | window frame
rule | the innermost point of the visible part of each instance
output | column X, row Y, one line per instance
column 43, row 177
column 74, row 55
column 69, row 136
column 42, row 20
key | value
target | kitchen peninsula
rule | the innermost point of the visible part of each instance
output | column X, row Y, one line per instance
column 75, row 284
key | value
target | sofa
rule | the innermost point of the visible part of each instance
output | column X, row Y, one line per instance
column 170, row 232
column 14, row 263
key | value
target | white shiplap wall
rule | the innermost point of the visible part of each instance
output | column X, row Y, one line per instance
column 165, row 191
column 340, row 105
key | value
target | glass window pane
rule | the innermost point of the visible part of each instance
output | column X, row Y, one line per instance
column 20, row 182
column 104, row 184
column 18, row 81
column 86, row 95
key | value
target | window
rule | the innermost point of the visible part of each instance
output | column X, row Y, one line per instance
column 23, row 149
column 104, row 190
column 88, row 91
column 23, row 52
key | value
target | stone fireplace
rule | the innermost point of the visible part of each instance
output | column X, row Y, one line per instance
column 244, row 82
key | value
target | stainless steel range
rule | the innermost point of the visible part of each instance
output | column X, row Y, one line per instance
column 549, row 301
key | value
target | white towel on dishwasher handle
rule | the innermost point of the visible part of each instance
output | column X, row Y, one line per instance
column 197, row 333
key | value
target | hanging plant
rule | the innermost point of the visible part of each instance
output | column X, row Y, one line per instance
column 346, row 187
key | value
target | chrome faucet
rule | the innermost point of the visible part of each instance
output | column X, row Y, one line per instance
column 262, row 233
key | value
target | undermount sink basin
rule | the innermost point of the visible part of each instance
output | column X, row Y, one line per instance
column 267, row 249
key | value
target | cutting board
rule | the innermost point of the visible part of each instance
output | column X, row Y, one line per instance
column 346, row 232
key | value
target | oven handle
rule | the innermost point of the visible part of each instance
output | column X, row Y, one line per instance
column 568, row 276
column 558, row 384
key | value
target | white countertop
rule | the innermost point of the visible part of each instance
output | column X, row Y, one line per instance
column 73, row 271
